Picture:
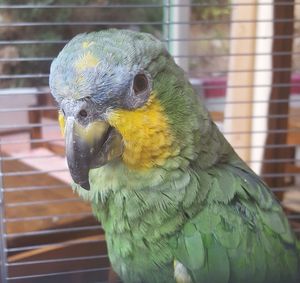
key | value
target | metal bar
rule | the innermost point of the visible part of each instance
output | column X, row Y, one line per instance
column 141, row 23
column 32, row 141
column 19, row 109
column 26, row 173
column 208, row 103
column 262, row 132
column 59, row 273
column 238, row 54
column 51, row 140
column 28, row 92
column 55, row 124
column 227, row 38
column 270, row 145
column 55, row 155
column 32, row 41
column 41, row 125
column 78, row 6
column 47, row 261
column 276, row 131
column 209, row 71
column 279, row 175
column 175, row 56
column 24, row 59
column 7, row 190
column 273, row 161
column 33, row 218
column 284, row 189
column 20, row 158
column 43, row 202
column 249, row 101
column 285, row 203
column 274, row 116
column 68, row 243
column 228, row 71
column 33, row 188
column 245, row 71
column 48, row 217
column 283, row 85
column 24, row 76
column 293, row 216
column 53, row 231
column 146, row 5
column 3, row 246
column 75, row 24
column 21, row 42
column 62, row 140
column 13, row 158
column 33, row 125
column 30, row 173
column 37, row 75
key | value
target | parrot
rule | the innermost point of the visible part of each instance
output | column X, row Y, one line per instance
column 176, row 202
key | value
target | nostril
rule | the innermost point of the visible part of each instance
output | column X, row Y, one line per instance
column 83, row 113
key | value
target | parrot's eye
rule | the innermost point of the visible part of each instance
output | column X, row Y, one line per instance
column 140, row 84
column 83, row 113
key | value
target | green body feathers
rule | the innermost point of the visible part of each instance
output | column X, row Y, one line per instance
column 221, row 223
column 199, row 216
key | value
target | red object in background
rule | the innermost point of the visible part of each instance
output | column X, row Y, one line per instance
column 295, row 84
column 216, row 87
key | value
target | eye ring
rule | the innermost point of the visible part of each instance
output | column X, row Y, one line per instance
column 140, row 84
column 83, row 113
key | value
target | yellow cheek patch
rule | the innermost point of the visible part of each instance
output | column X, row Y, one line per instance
column 86, row 61
column 61, row 121
column 146, row 134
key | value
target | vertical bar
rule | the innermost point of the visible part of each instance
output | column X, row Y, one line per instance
column 3, row 255
column 282, row 59
column 179, row 27
column 166, row 20
column 35, row 117
column 239, row 62
column 262, row 80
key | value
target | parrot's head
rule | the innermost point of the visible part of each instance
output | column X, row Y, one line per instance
column 123, row 99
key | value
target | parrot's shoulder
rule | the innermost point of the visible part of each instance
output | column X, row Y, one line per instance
column 240, row 234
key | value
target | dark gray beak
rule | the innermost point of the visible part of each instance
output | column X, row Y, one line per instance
column 89, row 147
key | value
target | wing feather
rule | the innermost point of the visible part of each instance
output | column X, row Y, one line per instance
column 240, row 235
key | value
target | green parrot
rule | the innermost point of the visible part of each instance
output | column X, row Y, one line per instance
column 176, row 202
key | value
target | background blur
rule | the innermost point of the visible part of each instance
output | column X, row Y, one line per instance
column 242, row 56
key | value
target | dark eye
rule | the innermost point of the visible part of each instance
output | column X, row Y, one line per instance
column 83, row 113
column 140, row 84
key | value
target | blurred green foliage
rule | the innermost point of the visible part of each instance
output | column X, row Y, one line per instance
column 150, row 17
column 217, row 9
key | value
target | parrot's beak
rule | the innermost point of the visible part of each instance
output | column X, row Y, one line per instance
column 90, row 147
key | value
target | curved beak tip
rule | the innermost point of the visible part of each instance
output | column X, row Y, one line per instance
column 85, row 185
